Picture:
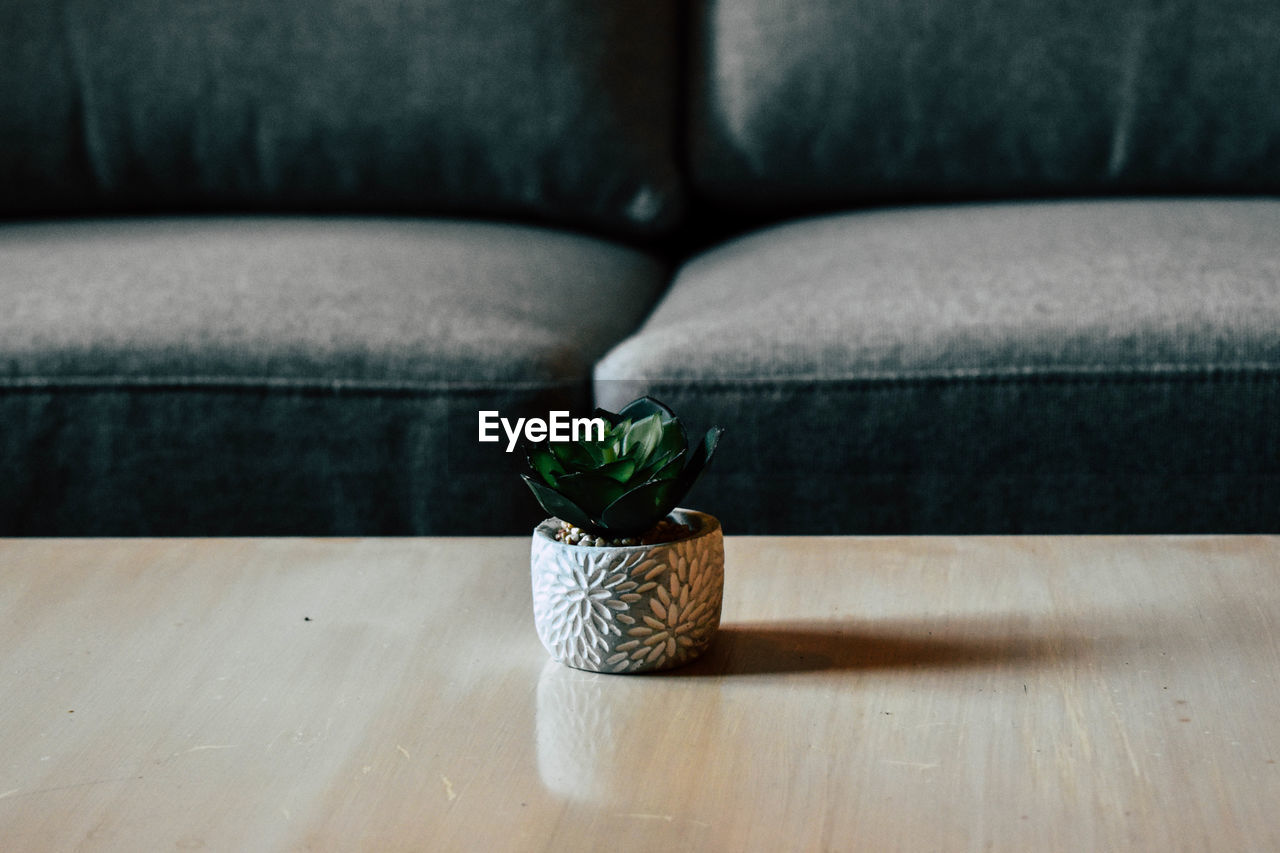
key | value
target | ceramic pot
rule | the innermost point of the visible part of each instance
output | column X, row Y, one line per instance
column 634, row 608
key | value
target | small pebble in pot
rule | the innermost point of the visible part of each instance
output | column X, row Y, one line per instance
column 665, row 531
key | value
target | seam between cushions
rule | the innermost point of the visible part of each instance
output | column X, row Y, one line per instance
column 1253, row 371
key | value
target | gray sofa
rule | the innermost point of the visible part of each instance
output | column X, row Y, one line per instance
column 937, row 266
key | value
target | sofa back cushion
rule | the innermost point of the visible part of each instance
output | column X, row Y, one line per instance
column 813, row 103
column 559, row 110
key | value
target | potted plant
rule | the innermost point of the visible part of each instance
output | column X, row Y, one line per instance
column 623, row 581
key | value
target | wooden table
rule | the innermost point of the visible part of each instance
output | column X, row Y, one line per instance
column 873, row 694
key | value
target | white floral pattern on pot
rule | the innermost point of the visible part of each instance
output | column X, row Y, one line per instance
column 633, row 608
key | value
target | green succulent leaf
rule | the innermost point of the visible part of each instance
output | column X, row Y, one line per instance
column 545, row 463
column 698, row 460
column 710, row 442
column 572, row 456
column 643, row 437
column 642, row 507
column 643, row 408
column 558, row 505
column 622, row 470
column 590, row 490
column 599, row 453
column 673, row 438
column 627, row 482
column 665, row 467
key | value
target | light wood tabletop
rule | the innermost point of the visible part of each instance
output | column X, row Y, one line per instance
column 919, row 694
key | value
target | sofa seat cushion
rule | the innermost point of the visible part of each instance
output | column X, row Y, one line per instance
column 290, row 375
column 1072, row 366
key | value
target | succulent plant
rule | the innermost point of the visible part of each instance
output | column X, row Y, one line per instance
column 625, row 484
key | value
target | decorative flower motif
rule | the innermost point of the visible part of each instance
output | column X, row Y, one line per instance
column 580, row 602
column 610, row 610
column 678, row 620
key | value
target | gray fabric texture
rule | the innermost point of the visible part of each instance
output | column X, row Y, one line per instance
column 1052, row 367
column 558, row 111
column 289, row 375
column 810, row 104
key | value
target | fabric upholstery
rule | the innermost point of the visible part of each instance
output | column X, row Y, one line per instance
column 559, row 111
column 811, row 104
column 1053, row 367
column 286, row 375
